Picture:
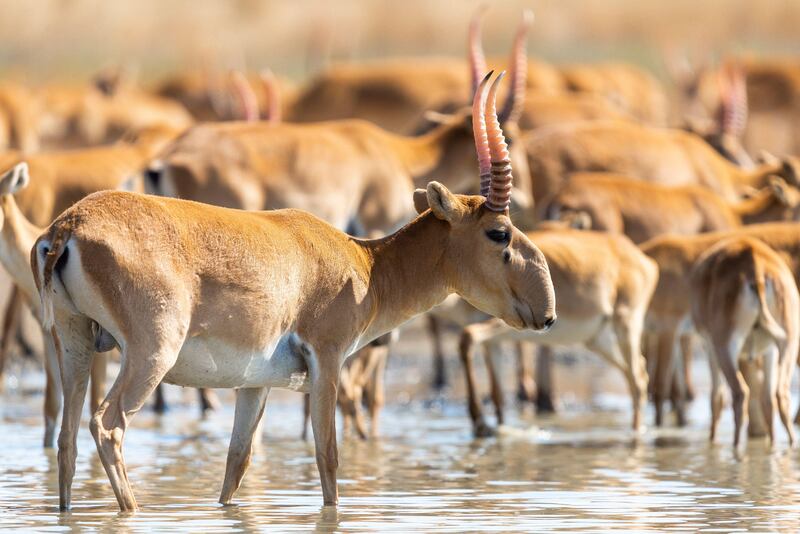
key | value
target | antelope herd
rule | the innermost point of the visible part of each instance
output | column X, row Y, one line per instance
column 235, row 230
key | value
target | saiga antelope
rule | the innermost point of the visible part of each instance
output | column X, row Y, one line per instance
column 643, row 210
column 670, row 309
column 253, row 300
column 666, row 156
column 745, row 304
column 604, row 284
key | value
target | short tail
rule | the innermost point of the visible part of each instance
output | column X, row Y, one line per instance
column 46, row 253
column 765, row 318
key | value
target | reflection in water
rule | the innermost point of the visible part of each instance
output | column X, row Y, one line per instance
column 581, row 470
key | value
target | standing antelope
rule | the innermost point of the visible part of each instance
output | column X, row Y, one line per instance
column 666, row 156
column 643, row 210
column 604, row 284
column 255, row 300
column 670, row 310
column 745, row 304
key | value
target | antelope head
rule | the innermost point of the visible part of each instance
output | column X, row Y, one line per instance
column 496, row 268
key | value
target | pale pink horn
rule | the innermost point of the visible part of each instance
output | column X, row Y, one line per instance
column 247, row 98
column 518, row 73
column 499, row 197
column 736, row 121
column 477, row 61
column 481, row 139
column 270, row 84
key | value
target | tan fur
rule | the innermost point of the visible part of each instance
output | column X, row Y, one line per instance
column 632, row 89
column 670, row 307
column 643, row 210
column 18, row 118
column 670, row 157
column 395, row 94
column 745, row 303
column 186, row 272
column 342, row 171
column 773, row 88
column 603, row 284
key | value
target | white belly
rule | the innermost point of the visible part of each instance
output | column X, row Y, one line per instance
column 209, row 362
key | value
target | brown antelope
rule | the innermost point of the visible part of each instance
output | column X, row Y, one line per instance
column 632, row 89
column 17, row 236
column 207, row 96
column 745, row 303
column 352, row 174
column 670, row 157
column 254, row 300
column 18, row 112
column 107, row 117
column 770, row 94
column 643, row 210
column 603, row 283
column 669, row 314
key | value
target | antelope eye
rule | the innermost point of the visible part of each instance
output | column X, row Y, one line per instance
column 498, row 236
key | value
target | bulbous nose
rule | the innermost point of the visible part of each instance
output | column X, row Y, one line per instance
column 549, row 322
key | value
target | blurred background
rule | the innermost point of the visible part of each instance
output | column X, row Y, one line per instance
column 46, row 39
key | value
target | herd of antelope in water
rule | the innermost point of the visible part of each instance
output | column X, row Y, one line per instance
column 234, row 231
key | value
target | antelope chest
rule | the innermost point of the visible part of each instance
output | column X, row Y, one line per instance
column 213, row 363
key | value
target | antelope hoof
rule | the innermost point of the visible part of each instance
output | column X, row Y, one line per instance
column 544, row 403
column 482, row 430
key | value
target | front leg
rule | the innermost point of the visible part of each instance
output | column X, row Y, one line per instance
column 324, row 385
column 249, row 409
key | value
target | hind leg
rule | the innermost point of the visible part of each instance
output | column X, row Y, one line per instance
column 10, row 326
column 73, row 344
column 769, row 393
column 664, row 370
column 249, row 410
column 716, row 396
column 144, row 366
column 53, row 393
column 377, row 396
column 208, row 400
column 726, row 351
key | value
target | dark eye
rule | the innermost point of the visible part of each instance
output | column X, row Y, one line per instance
column 509, row 141
column 498, row 236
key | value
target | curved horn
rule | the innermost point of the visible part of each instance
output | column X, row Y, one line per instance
column 270, row 84
column 481, row 139
column 499, row 196
column 518, row 74
column 247, row 98
column 732, row 112
column 477, row 61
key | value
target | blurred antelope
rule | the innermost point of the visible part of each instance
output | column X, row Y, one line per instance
column 670, row 309
column 643, row 210
column 745, row 304
column 670, row 157
column 604, row 284
column 256, row 300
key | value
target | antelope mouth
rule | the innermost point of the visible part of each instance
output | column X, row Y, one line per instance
column 525, row 316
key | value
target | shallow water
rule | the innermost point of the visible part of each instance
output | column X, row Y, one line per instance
column 582, row 469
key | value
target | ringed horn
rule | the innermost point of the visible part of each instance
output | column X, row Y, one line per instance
column 518, row 63
column 493, row 158
column 247, row 98
column 733, row 95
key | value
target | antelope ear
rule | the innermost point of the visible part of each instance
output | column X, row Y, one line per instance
column 421, row 200
column 442, row 202
column 14, row 179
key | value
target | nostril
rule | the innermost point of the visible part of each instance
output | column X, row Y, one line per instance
column 550, row 321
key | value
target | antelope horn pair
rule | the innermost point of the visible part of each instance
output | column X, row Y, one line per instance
column 248, row 100
column 518, row 64
column 733, row 94
column 493, row 160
